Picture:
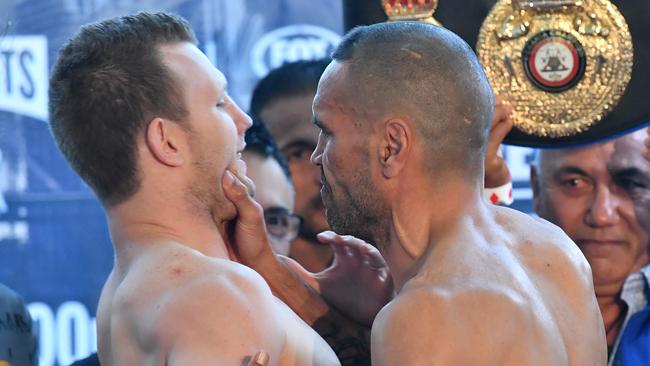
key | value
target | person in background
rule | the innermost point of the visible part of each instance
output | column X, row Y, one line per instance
column 18, row 342
column 268, row 170
column 282, row 99
column 600, row 196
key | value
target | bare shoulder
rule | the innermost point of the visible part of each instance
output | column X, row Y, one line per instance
column 218, row 312
column 543, row 245
column 425, row 326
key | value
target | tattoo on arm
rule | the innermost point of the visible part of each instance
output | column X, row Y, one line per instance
column 349, row 340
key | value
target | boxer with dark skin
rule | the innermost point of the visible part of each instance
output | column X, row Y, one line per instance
column 404, row 112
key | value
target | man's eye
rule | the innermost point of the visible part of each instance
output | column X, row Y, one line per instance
column 631, row 185
column 298, row 154
column 574, row 183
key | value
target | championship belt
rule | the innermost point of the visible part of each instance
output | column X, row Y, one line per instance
column 561, row 64
column 420, row 10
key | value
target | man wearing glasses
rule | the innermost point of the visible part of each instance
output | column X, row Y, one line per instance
column 268, row 169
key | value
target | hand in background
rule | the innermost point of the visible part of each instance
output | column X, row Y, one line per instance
column 496, row 169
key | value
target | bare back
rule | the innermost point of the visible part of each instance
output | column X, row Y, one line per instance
column 174, row 306
column 508, row 290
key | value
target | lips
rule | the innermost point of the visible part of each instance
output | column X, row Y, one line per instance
column 599, row 246
column 600, row 241
column 240, row 148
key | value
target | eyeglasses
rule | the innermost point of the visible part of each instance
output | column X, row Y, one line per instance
column 281, row 224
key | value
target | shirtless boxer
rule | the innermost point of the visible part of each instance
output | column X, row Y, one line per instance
column 477, row 284
column 145, row 119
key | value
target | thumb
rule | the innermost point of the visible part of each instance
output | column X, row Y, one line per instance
column 248, row 210
column 261, row 358
column 248, row 233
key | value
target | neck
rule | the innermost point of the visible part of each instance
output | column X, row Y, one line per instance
column 612, row 310
column 416, row 230
column 612, row 307
column 140, row 223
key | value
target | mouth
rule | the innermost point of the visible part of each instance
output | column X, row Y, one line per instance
column 240, row 149
column 600, row 241
column 598, row 246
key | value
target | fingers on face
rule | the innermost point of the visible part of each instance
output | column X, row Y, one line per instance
column 238, row 169
column 238, row 193
column 233, row 185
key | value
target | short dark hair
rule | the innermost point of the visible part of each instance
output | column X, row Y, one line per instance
column 108, row 82
column 429, row 74
column 290, row 79
column 259, row 140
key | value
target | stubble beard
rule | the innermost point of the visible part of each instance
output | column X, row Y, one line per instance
column 310, row 229
column 356, row 213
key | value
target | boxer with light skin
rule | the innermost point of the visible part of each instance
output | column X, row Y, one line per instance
column 143, row 117
column 411, row 104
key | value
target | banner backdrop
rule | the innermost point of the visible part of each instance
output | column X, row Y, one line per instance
column 54, row 244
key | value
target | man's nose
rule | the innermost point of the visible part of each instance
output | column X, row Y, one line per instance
column 317, row 156
column 242, row 120
column 604, row 208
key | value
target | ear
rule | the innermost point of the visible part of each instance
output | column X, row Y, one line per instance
column 394, row 147
column 535, row 186
column 163, row 139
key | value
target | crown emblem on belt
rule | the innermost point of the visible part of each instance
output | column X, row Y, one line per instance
column 421, row 10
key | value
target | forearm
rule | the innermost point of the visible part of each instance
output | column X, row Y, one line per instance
column 349, row 340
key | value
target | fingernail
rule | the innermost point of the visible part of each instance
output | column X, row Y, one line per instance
column 262, row 358
column 327, row 234
column 229, row 179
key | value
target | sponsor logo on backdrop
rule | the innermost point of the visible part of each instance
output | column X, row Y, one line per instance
column 64, row 335
column 291, row 43
column 24, row 76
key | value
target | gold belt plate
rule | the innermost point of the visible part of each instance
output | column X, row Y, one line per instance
column 561, row 64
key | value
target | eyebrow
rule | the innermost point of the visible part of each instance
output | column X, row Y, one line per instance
column 300, row 143
column 630, row 172
column 569, row 170
column 277, row 210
